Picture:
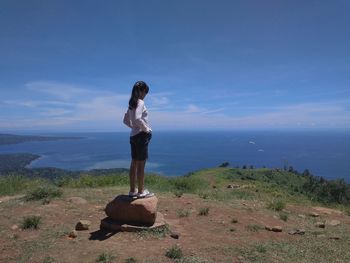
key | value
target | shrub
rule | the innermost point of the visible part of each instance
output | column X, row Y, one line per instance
column 254, row 227
column 175, row 252
column 283, row 216
column 130, row 260
column 183, row 213
column 224, row 164
column 105, row 257
column 31, row 222
column 277, row 205
column 48, row 260
column 203, row 211
column 178, row 193
column 43, row 192
column 260, row 248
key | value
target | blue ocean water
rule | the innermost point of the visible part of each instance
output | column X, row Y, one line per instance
column 324, row 153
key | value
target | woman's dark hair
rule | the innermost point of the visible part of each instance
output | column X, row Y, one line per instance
column 139, row 86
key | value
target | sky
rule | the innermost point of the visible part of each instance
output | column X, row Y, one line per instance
column 210, row 65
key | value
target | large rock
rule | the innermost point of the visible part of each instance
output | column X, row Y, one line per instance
column 138, row 212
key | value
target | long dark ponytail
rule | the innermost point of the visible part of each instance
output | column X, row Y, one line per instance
column 139, row 86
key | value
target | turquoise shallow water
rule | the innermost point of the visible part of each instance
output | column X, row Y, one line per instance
column 324, row 153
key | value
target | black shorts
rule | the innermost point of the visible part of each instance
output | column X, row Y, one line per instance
column 139, row 146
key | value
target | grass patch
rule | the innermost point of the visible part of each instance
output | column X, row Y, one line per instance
column 130, row 260
column 276, row 205
column 178, row 193
column 283, row 216
column 190, row 260
column 159, row 232
column 260, row 248
column 43, row 193
column 254, row 228
column 183, row 213
column 203, row 211
column 105, row 257
column 175, row 252
column 31, row 222
column 48, row 260
column 14, row 184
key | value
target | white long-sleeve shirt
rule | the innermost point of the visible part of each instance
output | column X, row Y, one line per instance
column 137, row 119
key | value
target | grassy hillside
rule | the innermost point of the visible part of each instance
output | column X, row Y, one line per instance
column 208, row 183
column 220, row 214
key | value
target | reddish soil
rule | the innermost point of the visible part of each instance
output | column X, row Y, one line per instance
column 200, row 236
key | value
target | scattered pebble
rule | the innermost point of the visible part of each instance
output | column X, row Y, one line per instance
column 175, row 235
column 320, row 224
column 73, row 234
column 314, row 214
column 83, row 225
column 297, row 232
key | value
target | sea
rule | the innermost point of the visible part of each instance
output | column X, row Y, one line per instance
column 175, row 153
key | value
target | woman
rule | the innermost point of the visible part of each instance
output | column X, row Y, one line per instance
column 141, row 133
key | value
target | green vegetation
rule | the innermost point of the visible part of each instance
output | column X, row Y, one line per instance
column 48, row 260
column 130, row 260
column 9, row 162
column 203, row 211
column 159, row 232
column 105, row 257
column 277, row 205
column 31, row 222
column 183, row 213
column 175, row 252
column 253, row 184
column 283, row 216
column 43, row 192
column 254, row 228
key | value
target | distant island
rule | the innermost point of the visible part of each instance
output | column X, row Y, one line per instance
column 14, row 139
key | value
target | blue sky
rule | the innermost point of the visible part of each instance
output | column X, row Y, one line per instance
column 70, row 65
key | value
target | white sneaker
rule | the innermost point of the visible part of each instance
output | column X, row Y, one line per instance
column 133, row 194
column 145, row 194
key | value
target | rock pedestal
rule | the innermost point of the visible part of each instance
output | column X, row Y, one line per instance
column 137, row 212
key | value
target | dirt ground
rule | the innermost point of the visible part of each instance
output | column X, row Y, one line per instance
column 214, row 237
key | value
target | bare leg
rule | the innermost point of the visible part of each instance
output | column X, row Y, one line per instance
column 132, row 175
column 141, row 175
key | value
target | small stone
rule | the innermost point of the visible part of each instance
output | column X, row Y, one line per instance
column 334, row 237
column 14, row 227
column 313, row 214
column 83, row 225
column 214, row 186
column 333, row 222
column 301, row 216
column 277, row 229
column 175, row 235
column 297, row 232
column 320, row 224
column 274, row 228
column 73, row 234
column 321, row 236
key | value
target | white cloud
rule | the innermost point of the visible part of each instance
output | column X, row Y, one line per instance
column 191, row 108
column 59, row 90
column 23, row 103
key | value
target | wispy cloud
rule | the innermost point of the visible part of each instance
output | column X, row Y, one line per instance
column 60, row 90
